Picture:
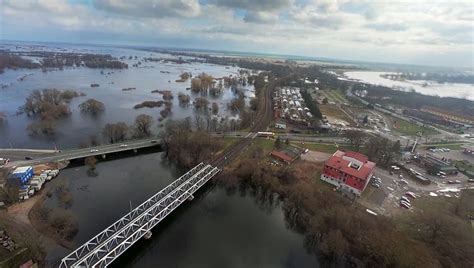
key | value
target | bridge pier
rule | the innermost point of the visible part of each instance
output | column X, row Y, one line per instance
column 191, row 197
column 135, row 150
column 104, row 156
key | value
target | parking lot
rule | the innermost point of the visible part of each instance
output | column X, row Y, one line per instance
column 386, row 199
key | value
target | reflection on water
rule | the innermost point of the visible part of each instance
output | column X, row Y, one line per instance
column 216, row 229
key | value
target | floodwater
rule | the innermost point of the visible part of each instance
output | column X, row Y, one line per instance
column 78, row 127
column 216, row 229
column 465, row 91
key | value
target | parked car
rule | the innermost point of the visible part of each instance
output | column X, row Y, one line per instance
column 404, row 198
column 405, row 205
column 411, row 194
column 403, row 181
column 470, row 180
column 28, row 158
column 376, row 185
column 154, row 141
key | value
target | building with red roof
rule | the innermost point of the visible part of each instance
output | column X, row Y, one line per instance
column 350, row 171
column 282, row 156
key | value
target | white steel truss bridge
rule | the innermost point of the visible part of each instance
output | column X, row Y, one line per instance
column 109, row 244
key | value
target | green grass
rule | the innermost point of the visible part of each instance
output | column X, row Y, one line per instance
column 411, row 129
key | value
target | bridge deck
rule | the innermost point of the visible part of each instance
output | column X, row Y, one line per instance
column 105, row 247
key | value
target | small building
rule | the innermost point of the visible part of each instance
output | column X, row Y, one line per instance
column 282, row 156
column 434, row 165
column 21, row 175
column 349, row 171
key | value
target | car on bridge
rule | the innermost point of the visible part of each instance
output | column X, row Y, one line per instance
column 123, row 145
column 94, row 150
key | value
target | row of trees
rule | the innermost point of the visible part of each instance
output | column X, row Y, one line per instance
column 120, row 131
column 12, row 61
column 185, row 146
column 378, row 149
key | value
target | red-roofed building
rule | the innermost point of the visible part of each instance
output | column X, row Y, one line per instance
column 349, row 170
column 282, row 156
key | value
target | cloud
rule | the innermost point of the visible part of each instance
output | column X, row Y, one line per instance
column 359, row 29
column 253, row 5
column 150, row 8
column 261, row 17
column 387, row 26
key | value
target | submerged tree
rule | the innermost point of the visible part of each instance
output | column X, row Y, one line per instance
column 92, row 106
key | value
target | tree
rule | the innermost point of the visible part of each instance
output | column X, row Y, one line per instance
column 325, row 100
column 142, row 127
column 115, row 132
column 356, row 138
column 334, row 245
column 92, row 106
column 9, row 192
column 278, row 143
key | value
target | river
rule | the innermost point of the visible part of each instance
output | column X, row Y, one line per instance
column 465, row 91
column 77, row 127
column 216, row 229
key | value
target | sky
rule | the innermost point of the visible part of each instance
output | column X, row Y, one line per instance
column 439, row 33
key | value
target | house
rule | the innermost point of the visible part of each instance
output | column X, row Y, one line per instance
column 349, row 171
column 282, row 156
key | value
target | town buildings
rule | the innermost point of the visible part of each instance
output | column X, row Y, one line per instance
column 349, row 171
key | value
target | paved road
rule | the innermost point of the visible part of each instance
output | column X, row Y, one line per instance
column 91, row 151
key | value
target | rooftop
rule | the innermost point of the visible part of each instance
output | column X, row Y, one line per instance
column 338, row 161
column 21, row 169
column 282, row 156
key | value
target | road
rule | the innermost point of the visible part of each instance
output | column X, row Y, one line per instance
column 65, row 155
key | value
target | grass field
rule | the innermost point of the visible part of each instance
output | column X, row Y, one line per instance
column 334, row 111
column 322, row 147
column 409, row 128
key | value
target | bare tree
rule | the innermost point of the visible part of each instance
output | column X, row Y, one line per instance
column 142, row 127
column 115, row 132
column 92, row 106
